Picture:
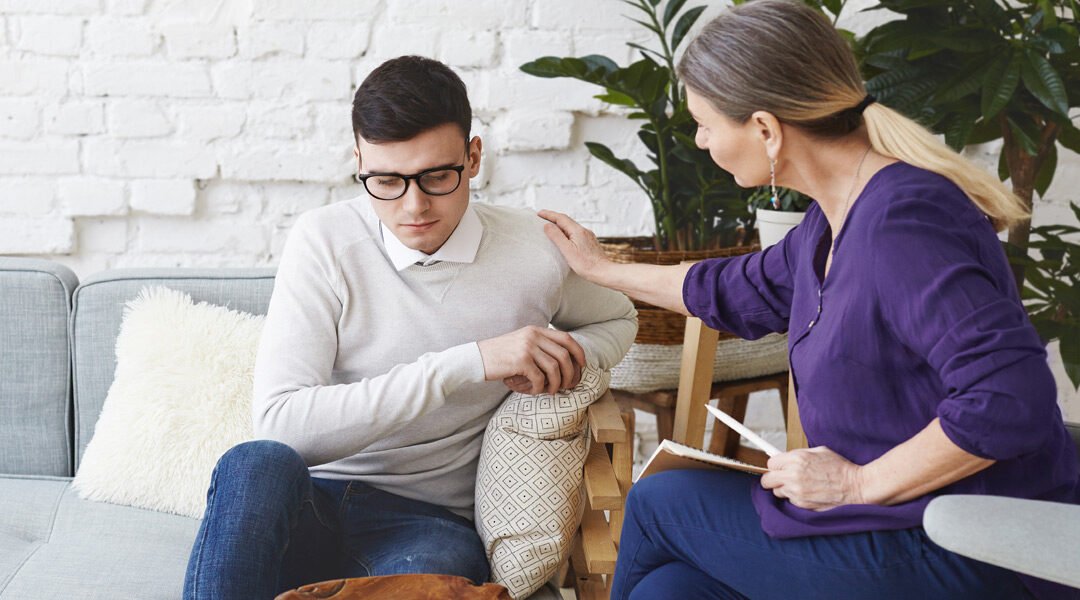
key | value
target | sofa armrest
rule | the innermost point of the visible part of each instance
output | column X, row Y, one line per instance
column 1029, row 536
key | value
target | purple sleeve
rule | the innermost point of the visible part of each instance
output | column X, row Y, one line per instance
column 748, row 295
column 947, row 294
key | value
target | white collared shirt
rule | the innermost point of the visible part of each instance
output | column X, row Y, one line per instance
column 460, row 247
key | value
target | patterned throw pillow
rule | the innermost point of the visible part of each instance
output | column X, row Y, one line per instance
column 529, row 495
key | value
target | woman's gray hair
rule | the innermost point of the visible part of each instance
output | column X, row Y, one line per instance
column 779, row 56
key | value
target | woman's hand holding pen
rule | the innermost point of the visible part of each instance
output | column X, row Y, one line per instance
column 814, row 478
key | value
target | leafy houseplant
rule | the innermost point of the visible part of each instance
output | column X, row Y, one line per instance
column 982, row 70
column 696, row 205
column 775, row 219
column 1052, row 293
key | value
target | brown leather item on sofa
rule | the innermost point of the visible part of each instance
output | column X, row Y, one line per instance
column 399, row 587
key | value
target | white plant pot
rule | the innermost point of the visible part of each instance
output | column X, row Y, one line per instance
column 773, row 225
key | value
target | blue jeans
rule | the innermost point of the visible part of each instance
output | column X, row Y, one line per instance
column 692, row 534
column 269, row 527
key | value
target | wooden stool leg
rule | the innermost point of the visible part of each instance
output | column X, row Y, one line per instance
column 725, row 442
column 796, row 437
column 665, row 423
column 782, row 387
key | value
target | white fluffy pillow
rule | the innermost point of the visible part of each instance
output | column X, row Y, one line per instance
column 180, row 398
column 529, row 482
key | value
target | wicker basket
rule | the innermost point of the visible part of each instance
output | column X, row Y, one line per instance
column 658, row 325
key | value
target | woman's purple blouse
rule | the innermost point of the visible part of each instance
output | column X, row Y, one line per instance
column 919, row 318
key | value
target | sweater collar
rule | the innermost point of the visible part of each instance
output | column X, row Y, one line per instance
column 460, row 247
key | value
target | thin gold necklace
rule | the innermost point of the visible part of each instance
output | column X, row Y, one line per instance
column 851, row 192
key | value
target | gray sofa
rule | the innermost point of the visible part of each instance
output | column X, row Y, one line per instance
column 57, row 340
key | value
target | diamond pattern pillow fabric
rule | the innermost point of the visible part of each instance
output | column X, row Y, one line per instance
column 529, row 498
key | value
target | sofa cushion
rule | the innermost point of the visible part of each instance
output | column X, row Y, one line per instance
column 27, row 507
column 99, row 309
column 35, row 301
column 97, row 550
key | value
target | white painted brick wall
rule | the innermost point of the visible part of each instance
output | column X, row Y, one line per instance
column 119, row 37
column 49, row 36
column 26, row 197
column 45, row 78
column 163, row 196
column 138, row 133
column 261, row 38
column 19, row 118
column 137, row 118
column 337, row 39
column 197, row 40
column 75, row 117
column 91, row 197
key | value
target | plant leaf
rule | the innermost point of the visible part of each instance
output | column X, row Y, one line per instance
column 966, row 41
column 618, row 98
column 599, row 62
column 1044, row 82
column 1069, row 136
column 894, row 77
column 959, row 130
column 1046, row 172
column 645, row 51
column 682, row 27
column 999, row 86
column 968, row 81
column 623, row 165
column 1070, row 354
column 648, row 26
column 639, row 5
column 591, row 69
column 673, row 7
column 1057, row 40
column 1025, row 132
column 985, row 131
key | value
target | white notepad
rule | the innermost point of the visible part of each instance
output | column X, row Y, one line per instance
column 673, row 455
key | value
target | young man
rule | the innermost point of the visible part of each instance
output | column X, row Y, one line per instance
column 398, row 324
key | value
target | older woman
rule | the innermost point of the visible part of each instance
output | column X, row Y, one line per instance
column 917, row 370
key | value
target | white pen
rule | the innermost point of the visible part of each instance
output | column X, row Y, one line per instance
column 742, row 430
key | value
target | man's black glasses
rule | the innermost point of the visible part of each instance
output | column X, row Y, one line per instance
column 438, row 181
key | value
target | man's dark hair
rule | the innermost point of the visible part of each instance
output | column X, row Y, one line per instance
column 406, row 96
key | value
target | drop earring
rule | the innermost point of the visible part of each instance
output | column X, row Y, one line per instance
column 772, row 184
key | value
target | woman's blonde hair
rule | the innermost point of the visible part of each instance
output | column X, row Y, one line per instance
column 785, row 58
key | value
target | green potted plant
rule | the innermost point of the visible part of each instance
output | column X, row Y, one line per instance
column 775, row 218
column 980, row 70
column 696, row 204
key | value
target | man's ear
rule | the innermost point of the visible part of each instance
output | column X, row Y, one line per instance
column 767, row 128
column 476, row 147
